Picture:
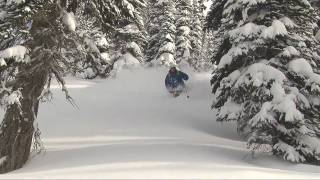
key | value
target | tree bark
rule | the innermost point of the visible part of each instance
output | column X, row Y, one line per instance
column 17, row 128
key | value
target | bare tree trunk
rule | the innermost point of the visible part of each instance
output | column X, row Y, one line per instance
column 17, row 128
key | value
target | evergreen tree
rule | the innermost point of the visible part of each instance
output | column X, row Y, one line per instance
column 39, row 41
column 127, row 47
column 214, row 16
column 167, row 48
column 215, row 31
column 316, row 5
column 95, row 42
column 126, row 37
column 210, row 44
column 153, row 29
column 183, row 38
column 129, row 42
column 197, row 60
column 107, row 40
column 30, row 62
column 161, row 29
column 266, row 77
column 214, row 43
column 109, row 12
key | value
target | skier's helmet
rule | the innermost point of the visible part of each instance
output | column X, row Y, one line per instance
column 173, row 69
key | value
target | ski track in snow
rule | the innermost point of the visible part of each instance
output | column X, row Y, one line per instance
column 130, row 127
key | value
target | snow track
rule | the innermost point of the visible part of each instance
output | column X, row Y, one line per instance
column 129, row 127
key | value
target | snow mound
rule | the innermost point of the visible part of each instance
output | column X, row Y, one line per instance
column 259, row 73
column 69, row 20
column 126, row 61
column 277, row 28
column 18, row 52
column 300, row 66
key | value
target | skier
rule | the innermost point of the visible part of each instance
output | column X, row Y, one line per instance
column 175, row 81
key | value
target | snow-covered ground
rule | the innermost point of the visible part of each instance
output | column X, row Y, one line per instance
column 129, row 127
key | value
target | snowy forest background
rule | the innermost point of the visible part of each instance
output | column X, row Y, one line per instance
column 263, row 55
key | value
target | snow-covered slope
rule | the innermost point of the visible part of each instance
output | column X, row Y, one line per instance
column 129, row 127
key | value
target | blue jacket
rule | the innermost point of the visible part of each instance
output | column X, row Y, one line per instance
column 175, row 80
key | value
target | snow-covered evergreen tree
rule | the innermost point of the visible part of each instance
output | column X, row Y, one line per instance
column 127, row 27
column 161, row 29
column 95, row 42
column 183, row 37
column 124, row 39
column 316, row 5
column 109, row 12
column 127, row 47
column 153, row 29
column 197, row 60
column 130, row 41
column 215, row 31
column 107, row 39
column 167, row 48
column 31, row 58
column 214, row 15
column 266, row 76
column 210, row 44
column 213, row 42
column 39, row 41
